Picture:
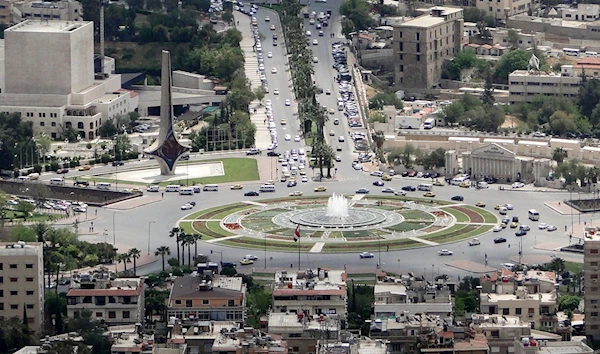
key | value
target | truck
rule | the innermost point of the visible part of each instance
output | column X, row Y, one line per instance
column 429, row 123
column 410, row 122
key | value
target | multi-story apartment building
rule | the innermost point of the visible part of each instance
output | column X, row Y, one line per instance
column 502, row 9
column 524, row 85
column 395, row 299
column 13, row 11
column 421, row 46
column 63, row 91
column 195, row 299
column 404, row 332
column 526, row 345
column 506, row 281
column 116, row 302
column 501, row 331
column 591, row 261
column 582, row 12
column 302, row 333
column 537, row 309
column 22, row 282
column 310, row 293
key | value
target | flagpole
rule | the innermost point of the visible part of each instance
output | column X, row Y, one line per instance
column 299, row 240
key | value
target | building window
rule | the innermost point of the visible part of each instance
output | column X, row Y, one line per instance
column 29, row 292
column 401, row 68
column 595, row 250
column 400, row 34
column 1, row 293
column 14, row 293
column 506, row 312
column 1, row 306
column 126, row 314
column 593, row 326
column 14, row 280
column 53, row 134
column 80, row 125
column 29, row 279
column 112, row 314
column 418, row 47
column 594, row 276
column 53, row 124
column 594, row 314
column 13, row 266
column 42, row 124
column 30, row 306
column 531, row 310
column 401, row 45
column 418, row 36
column 98, row 314
column 14, row 307
column 29, row 266
column 1, row 280
column 188, row 303
column 1, row 266
column 230, row 302
column 518, row 311
column 177, row 302
column 205, row 302
column 418, row 58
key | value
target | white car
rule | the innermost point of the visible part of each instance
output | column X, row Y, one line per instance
column 304, row 179
column 274, row 71
column 315, row 60
column 308, row 34
column 250, row 257
column 297, row 139
column 288, row 137
column 341, row 139
column 518, row 185
column 551, row 228
column 497, row 228
column 509, row 206
column 474, row 242
column 312, row 21
column 276, row 92
column 288, row 102
column 543, row 226
column 315, row 42
column 524, row 228
column 400, row 193
column 267, row 19
column 270, row 55
column 445, row 252
column 186, row 206
column 261, row 67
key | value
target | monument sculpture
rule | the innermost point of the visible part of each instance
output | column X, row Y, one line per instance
column 166, row 148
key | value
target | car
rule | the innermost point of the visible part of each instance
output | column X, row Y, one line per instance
column 297, row 138
column 62, row 171
column 480, row 204
column 497, row 228
column 429, row 194
column 378, row 183
column 538, row 135
column 509, row 206
column 338, row 158
column 304, row 179
column 315, row 60
column 251, row 194
column 320, row 189
column 328, row 92
column 227, row 265
column 119, row 163
column 288, row 103
column 251, row 257
column 291, row 184
column 270, row 55
column 79, row 209
column 474, row 242
column 331, row 133
column 514, row 225
column 84, row 168
column 315, row 42
column 551, row 228
column 503, row 224
column 499, row 240
column 400, row 193
column 236, row 187
column 267, row 19
column 386, row 178
column 341, row 139
column 81, row 183
column 445, row 252
column 517, row 185
column 296, row 194
column 458, row 198
column 276, row 92
column 506, row 220
column 362, row 191
column 321, row 34
column 273, row 153
column 366, row 255
column 543, row 226
column 498, row 206
column 287, row 137
column 388, row 190
column 520, row 232
column 274, row 71
column 272, row 27
column 465, row 184
column 338, row 148
column 253, row 152
column 331, row 111
column 524, row 228
column 246, row 261
column 409, row 188
column 439, row 183
column 186, row 206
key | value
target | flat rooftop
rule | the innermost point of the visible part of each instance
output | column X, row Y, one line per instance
column 48, row 26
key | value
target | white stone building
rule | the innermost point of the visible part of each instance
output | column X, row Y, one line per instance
column 502, row 9
column 48, row 76
column 13, row 11
column 583, row 12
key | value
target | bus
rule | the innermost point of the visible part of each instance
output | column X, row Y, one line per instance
column 534, row 215
column 186, row 191
column 571, row 52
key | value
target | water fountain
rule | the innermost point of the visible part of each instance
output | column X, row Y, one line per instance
column 338, row 215
column 337, row 206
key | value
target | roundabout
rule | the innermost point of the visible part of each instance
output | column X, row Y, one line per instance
column 337, row 224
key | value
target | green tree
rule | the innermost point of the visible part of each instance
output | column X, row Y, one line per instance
column 385, row 99
column 25, row 209
column 516, row 59
column 453, row 113
column 588, row 96
column 135, row 254
column 559, row 155
column 108, row 129
column 568, row 302
column 513, row 38
column 488, row 93
column 561, row 121
column 408, row 153
column 259, row 93
column 122, row 146
column 163, row 251
column 358, row 11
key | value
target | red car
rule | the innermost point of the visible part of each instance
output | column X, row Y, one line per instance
column 412, row 173
column 62, row 171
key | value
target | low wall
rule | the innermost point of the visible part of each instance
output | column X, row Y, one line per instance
column 39, row 190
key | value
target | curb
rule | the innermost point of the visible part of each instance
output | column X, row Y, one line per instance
column 559, row 211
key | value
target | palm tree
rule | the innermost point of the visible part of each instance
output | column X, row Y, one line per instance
column 135, row 254
column 175, row 233
column 125, row 258
column 163, row 251
column 188, row 240
column 557, row 264
column 197, row 237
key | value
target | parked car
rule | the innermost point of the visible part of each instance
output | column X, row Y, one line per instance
column 227, row 265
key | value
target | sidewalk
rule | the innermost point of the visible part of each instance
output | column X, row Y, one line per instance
column 562, row 208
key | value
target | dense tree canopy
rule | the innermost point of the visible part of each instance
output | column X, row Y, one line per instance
column 358, row 11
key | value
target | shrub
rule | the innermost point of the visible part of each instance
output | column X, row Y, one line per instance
column 37, row 168
column 53, row 166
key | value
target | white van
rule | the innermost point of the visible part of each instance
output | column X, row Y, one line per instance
column 211, row 188
column 57, row 181
column 458, row 180
column 509, row 266
column 267, row 188
column 153, row 188
column 426, row 187
column 502, row 211
column 186, row 191
column 103, row 185
column 172, row 188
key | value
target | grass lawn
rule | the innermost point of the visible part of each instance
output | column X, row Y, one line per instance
column 487, row 216
column 573, row 267
column 407, row 226
column 237, row 169
column 36, row 217
column 460, row 216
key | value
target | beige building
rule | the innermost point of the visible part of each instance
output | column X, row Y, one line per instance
column 502, row 9
column 12, row 11
column 311, row 293
column 527, row 345
column 302, row 332
column 116, row 302
column 421, row 46
column 525, row 86
column 404, row 332
column 22, row 282
column 591, row 261
column 536, row 309
column 582, row 12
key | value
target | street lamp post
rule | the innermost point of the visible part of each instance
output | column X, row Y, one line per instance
column 149, row 224
column 114, row 232
column 265, row 243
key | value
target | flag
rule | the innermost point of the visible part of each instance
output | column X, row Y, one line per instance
column 534, row 62
column 297, row 233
